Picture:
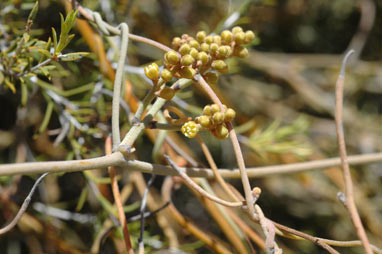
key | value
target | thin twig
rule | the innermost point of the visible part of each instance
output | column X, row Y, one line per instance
column 117, row 159
column 118, row 85
column 142, row 214
column 200, row 190
column 23, row 207
column 118, row 202
column 349, row 202
column 214, row 168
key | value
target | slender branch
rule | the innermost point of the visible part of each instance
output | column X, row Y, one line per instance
column 89, row 15
column 34, row 68
column 214, row 168
column 142, row 214
column 23, row 207
column 117, row 159
column 118, row 202
column 200, row 190
column 118, row 84
column 349, row 202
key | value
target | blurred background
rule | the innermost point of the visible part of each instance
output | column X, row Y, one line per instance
column 283, row 93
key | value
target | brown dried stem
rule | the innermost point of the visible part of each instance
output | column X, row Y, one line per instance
column 349, row 202
column 117, row 200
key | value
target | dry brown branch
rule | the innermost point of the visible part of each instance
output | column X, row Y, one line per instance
column 349, row 201
column 117, row 200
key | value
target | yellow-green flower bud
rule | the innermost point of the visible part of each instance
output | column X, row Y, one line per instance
column 204, row 47
column 217, row 39
column 176, row 42
column 184, row 49
column 213, row 48
column 194, row 44
column 215, row 108
column 209, row 39
column 249, row 36
column 224, row 51
column 152, row 71
column 194, row 53
column 237, row 29
column 240, row 37
column 226, row 37
column 211, row 78
column 190, row 129
column 220, row 66
column 207, row 111
column 166, row 75
column 221, row 132
column 241, row 52
column 203, row 57
column 204, row 121
column 171, row 57
column 229, row 115
column 200, row 36
column 187, row 72
column 187, row 60
column 218, row 117
column 167, row 93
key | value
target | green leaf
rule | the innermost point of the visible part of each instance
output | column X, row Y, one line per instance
column 54, row 34
column 10, row 85
column 1, row 77
column 73, row 56
column 44, row 52
column 33, row 13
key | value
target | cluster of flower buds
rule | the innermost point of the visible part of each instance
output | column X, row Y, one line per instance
column 213, row 119
column 192, row 55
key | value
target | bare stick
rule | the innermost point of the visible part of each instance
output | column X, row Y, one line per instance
column 349, row 202
column 23, row 207
column 214, row 168
column 118, row 202
column 197, row 188
column 117, row 159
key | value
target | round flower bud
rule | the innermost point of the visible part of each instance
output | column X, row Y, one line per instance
column 171, row 57
column 166, row 75
column 218, row 117
column 215, row 108
column 229, row 115
column 224, row 51
column 207, row 111
column 204, row 121
column 220, row 66
column 200, row 36
column 237, row 29
column 187, row 72
column 209, row 39
column 241, row 52
column 217, row 39
column 204, row 47
column 194, row 44
column 240, row 37
column 190, row 129
column 176, row 42
column 184, row 49
column 211, row 78
column 221, row 132
column 213, row 48
column 187, row 60
column 203, row 57
column 226, row 37
column 194, row 53
column 249, row 36
column 152, row 71
column 167, row 93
